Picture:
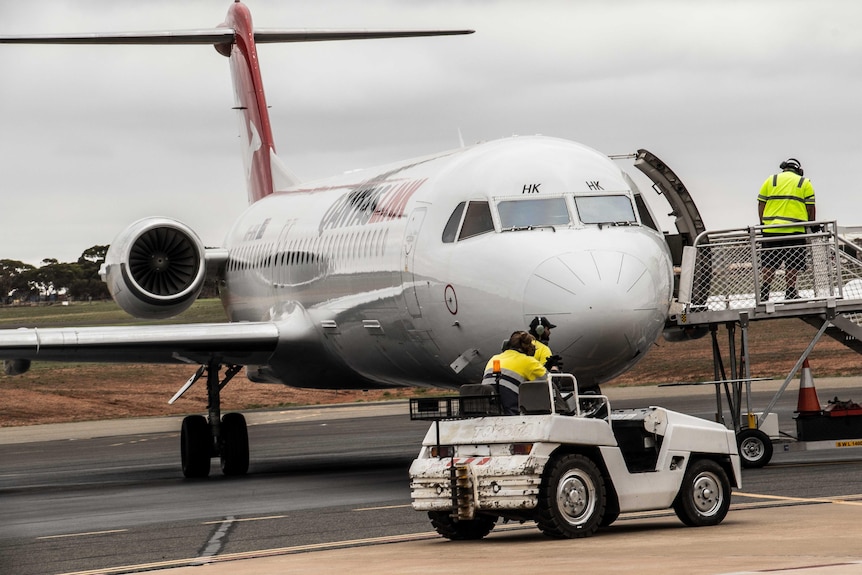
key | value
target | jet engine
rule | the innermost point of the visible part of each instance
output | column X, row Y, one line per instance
column 155, row 268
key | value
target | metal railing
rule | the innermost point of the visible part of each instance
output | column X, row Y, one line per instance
column 744, row 268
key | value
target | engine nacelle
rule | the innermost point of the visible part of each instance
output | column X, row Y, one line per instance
column 155, row 268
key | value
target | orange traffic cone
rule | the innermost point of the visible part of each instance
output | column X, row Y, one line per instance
column 808, row 404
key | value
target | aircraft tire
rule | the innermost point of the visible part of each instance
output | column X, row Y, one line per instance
column 465, row 530
column 195, row 447
column 704, row 496
column 572, row 498
column 755, row 448
column 234, row 448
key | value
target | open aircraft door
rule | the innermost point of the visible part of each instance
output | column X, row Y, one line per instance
column 688, row 222
column 667, row 183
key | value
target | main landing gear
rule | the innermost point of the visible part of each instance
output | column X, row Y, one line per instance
column 203, row 438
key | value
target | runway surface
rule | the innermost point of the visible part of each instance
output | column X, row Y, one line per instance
column 328, row 486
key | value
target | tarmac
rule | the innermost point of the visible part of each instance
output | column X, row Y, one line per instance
column 651, row 394
column 794, row 537
column 782, row 535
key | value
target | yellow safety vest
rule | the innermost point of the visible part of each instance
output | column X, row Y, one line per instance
column 515, row 369
column 786, row 196
column 543, row 352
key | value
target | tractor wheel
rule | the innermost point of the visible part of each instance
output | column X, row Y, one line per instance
column 457, row 530
column 704, row 496
column 572, row 498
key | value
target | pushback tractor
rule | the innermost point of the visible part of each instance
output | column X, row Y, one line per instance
column 567, row 462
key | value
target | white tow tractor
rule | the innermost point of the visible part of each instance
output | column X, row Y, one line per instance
column 567, row 462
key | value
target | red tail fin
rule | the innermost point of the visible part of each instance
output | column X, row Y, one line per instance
column 255, row 129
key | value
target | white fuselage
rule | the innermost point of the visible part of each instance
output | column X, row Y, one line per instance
column 383, row 285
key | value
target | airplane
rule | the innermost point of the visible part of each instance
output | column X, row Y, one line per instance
column 407, row 274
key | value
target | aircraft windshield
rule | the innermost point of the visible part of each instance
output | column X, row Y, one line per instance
column 523, row 213
column 477, row 220
column 605, row 209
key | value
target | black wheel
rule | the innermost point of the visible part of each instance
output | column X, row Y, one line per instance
column 704, row 496
column 234, row 444
column 572, row 498
column 195, row 446
column 457, row 530
column 612, row 512
column 755, row 448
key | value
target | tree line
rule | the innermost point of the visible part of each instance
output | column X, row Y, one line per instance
column 21, row 282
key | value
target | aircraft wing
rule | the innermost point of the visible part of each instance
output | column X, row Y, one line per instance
column 240, row 343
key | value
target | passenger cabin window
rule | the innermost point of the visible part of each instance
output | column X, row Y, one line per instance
column 532, row 213
column 476, row 220
column 605, row 209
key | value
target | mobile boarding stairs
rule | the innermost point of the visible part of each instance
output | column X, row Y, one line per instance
column 722, row 283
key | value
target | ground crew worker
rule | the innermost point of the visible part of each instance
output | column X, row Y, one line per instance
column 540, row 328
column 517, row 365
column 785, row 198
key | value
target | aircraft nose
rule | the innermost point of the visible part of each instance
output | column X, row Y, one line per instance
column 609, row 306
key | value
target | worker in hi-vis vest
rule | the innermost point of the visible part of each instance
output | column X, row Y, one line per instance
column 540, row 329
column 514, row 365
column 785, row 199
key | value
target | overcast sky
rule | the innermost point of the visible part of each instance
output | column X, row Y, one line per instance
column 93, row 138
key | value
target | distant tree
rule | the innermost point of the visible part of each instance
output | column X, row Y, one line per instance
column 95, row 254
column 80, row 279
column 13, row 280
column 89, row 284
column 53, row 277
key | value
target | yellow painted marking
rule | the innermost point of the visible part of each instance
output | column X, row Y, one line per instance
column 384, row 507
column 837, row 501
column 256, row 554
column 83, row 534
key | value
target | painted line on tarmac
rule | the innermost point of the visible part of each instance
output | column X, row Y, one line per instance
column 383, row 507
column 410, row 537
column 216, row 542
column 197, row 561
column 844, row 500
column 819, row 569
column 82, row 534
column 265, row 518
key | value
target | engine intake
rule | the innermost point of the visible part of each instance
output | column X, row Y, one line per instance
column 155, row 268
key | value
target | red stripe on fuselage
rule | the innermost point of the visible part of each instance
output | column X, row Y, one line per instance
column 394, row 203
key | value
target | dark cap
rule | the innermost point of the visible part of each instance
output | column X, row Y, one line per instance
column 791, row 165
column 540, row 320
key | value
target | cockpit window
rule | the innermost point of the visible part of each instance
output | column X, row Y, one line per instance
column 605, row 209
column 477, row 220
column 451, row 229
column 523, row 213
